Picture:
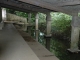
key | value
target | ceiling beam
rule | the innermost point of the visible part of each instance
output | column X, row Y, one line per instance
column 47, row 5
column 13, row 6
column 22, row 6
column 17, row 9
column 72, row 3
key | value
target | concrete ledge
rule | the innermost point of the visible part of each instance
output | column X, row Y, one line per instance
column 73, row 51
column 47, row 36
column 13, row 46
column 41, row 52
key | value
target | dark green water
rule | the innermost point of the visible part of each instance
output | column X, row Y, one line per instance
column 59, row 48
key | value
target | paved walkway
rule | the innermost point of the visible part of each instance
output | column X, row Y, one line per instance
column 13, row 46
column 39, row 50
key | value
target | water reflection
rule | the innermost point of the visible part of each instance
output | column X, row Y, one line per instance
column 59, row 48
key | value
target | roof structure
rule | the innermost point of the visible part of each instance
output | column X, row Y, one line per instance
column 22, row 6
column 65, row 6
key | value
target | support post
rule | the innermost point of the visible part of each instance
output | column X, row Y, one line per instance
column 29, row 23
column 4, row 18
column 75, row 34
column 36, row 26
column 48, row 25
column 29, row 18
column 1, row 25
column 48, row 30
column 25, row 25
column 0, row 14
column 36, row 22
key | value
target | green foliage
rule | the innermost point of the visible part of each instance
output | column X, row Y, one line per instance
column 22, row 14
column 60, row 22
column 59, row 48
column 61, row 28
column 61, row 25
column 42, row 18
column 60, row 16
column 42, row 22
column 10, row 11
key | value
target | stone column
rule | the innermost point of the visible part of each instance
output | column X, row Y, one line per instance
column 29, row 18
column 25, row 25
column 2, row 17
column 48, row 30
column 75, row 33
column 48, row 25
column 36, row 26
column 29, row 23
column 1, row 25
column 4, row 14
column 0, row 14
column 36, row 21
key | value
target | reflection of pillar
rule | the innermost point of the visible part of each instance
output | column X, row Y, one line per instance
column 48, row 30
column 75, row 34
column 29, row 23
column 48, row 43
column 37, row 34
column 25, row 25
column 36, row 26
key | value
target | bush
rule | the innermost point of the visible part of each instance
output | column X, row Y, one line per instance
column 61, row 26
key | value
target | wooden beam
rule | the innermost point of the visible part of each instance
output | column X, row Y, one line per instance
column 15, row 6
column 46, row 5
column 23, row 6
column 72, row 3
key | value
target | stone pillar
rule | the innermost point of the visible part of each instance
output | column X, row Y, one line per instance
column 1, row 18
column 36, row 21
column 4, row 14
column 0, row 14
column 29, row 23
column 36, row 26
column 48, row 30
column 48, row 25
column 75, row 33
column 29, row 18
column 1, row 25
column 25, row 25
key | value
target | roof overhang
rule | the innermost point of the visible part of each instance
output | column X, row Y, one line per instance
column 22, row 6
column 65, row 6
column 44, row 6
